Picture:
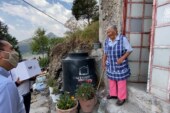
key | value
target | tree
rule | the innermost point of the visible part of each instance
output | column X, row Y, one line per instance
column 40, row 43
column 6, row 36
column 85, row 9
column 55, row 41
column 3, row 30
column 95, row 16
column 74, row 25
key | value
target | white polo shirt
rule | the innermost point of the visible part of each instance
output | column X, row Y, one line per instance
column 23, row 88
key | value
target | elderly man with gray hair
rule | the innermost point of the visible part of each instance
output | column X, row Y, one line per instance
column 115, row 62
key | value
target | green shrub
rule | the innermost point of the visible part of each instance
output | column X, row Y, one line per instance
column 91, row 32
column 44, row 62
column 55, row 41
column 51, row 82
column 55, row 90
column 85, row 91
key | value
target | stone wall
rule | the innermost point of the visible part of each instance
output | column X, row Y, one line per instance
column 110, row 13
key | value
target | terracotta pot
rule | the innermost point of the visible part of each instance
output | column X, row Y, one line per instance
column 71, row 110
column 87, row 105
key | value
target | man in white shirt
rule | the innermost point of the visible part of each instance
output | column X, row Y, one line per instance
column 10, row 100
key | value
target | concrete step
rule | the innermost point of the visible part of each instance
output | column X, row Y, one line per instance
column 139, row 101
column 40, row 104
column 128, row 107
column 147, row 102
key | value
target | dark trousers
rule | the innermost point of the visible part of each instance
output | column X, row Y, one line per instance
column 27, row 101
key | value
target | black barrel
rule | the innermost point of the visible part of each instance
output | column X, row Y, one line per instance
column 77, row 67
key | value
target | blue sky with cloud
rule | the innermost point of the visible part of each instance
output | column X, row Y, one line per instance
column 23, row 20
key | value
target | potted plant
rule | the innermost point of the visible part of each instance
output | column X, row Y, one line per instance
column 85, row 93
column 66, row 104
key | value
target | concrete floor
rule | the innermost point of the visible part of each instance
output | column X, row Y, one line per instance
column 139, row 101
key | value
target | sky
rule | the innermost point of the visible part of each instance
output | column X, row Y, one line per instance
column 22, row 20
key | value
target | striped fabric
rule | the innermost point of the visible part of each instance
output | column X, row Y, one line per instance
column 116, row 71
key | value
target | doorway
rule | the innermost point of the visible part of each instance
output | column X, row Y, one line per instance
column 137, row 21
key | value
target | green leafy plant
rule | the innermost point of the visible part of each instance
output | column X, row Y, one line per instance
column 40, row 43
column 55, row 90
column 85, row 91
column 91, row 32
column 44, row 62
column 51, row 82
column 66, row 101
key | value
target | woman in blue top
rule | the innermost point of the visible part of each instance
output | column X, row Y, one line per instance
column 116, row 51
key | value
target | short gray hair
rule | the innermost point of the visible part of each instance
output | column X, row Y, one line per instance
column 112, row 27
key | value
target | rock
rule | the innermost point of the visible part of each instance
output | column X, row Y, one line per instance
column 55, row 98
column 101, row 94
column 40, row 110
column 52, row 111
column 40, row 101
column 102, row 106
column 110, row 13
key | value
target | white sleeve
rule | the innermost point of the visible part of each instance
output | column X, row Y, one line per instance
column 127, row 45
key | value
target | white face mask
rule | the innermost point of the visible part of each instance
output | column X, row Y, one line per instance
column 13, row 58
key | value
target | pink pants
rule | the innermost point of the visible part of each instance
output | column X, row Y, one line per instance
column 118, row 88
